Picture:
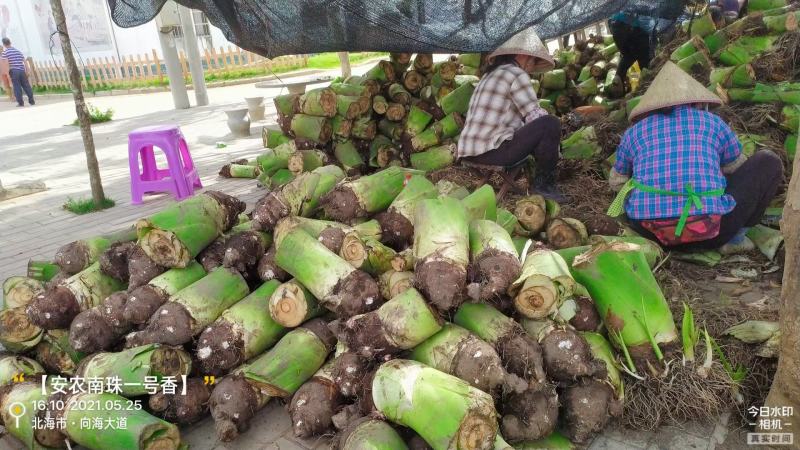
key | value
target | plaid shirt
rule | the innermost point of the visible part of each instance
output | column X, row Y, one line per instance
column 667, row 150
column 502, row 103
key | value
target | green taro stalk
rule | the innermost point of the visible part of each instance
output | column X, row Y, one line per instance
column 290, row 363
column 299, row 197
column 240, row 171
column 394, row 283
column 18, row 410
column 192, row 309
column 42, row 270
column 507, row 220
column 317, row 129
column 14, row 366
column 319, row 102
column 341, row 127
column 653, row 252
column 520, row 353
column 326, row 275
column 134, row 364
column 144, row 300
column 142, row 431
column 371, row 434
column 441, row 250
column 56, row 354
column 176, row 235
column 273, row 137
column 493, row 254
column 417, row 120
column 481, row 204
column 79, row 255
column 458, row 100
column 242, row 332
column 56, row 307
column 276, row 158
column 628, row 298
column 414, row 395
column 434, row 158
column 402, row 323
column 349, row 157
column 397, row 222
column 354, row 199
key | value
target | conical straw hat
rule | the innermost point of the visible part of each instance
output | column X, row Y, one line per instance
column 672, row 87
column 526, row 42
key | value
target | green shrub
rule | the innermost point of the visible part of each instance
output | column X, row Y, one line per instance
column 86, row 205
column 97, row 115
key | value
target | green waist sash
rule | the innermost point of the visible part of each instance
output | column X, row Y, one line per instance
column 692, row 198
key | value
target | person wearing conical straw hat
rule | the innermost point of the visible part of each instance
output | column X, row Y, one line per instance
column 505, row 123
column 682, row 177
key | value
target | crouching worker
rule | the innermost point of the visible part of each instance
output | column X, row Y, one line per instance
column 504, row 122
column 682, row 177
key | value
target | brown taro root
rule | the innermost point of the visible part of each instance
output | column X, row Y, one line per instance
column 141, row 269
column 101, row 327
column 211, row 257
column 529, row 415
column 244, row 250
column 586, row 408
column 233, row 403
column 55, row 307
column 114, row 261
column 268, row 269
column 179, row 408
column 521, row 353
column 348, row 372
column 567, row 356
column 145, row 300
column 316, row 402
column 586, row 316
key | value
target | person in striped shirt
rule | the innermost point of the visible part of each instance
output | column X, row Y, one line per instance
column 16, row 63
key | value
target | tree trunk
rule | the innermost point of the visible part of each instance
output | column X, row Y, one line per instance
column 785, row 389
column 344, row 60
column 80, row 106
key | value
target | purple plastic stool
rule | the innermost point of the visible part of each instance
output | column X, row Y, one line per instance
column 180, row 177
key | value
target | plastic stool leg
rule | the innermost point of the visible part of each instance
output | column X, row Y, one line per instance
column 149, row 167
column 176, row 172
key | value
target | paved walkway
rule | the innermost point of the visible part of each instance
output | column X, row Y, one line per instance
column 36, row 143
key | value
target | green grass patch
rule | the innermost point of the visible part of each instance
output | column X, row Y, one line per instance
column 86, row 205
column 318, row 61
column 331, row 60
column 97, row 115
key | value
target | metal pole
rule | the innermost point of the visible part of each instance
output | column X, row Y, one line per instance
column 193, row 54
column 174, row 71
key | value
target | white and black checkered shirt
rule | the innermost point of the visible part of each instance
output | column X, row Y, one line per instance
column 503, row 102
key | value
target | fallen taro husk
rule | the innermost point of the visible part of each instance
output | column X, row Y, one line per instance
column 629, row 300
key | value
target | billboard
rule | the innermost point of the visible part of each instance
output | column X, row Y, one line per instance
column 87, row 22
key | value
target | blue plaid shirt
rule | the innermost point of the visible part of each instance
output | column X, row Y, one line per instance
column 671, row 148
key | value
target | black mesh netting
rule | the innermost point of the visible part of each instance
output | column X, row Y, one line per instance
column 280, row 27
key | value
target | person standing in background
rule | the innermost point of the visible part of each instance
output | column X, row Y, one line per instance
column 5, row 77
column 16, row 63
column 634, row 35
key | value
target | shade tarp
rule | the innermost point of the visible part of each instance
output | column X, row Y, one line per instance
column 281, row 27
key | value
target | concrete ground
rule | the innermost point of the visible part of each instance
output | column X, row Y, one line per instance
column 37, row 143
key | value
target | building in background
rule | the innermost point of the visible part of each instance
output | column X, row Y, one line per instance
column 30, row 26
